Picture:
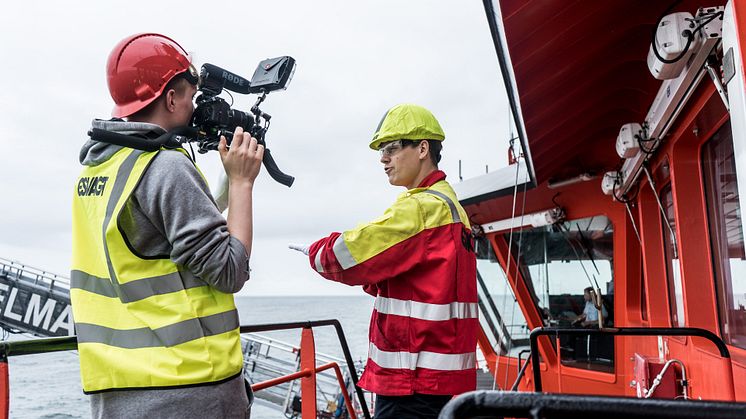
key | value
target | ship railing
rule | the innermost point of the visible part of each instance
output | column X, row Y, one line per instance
column 43, row 279
column 308, row 370
column 478, row 404
column 307, row 373
column 266, row 357
column 727, row 366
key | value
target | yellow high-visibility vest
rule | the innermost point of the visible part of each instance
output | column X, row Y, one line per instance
column 141, row 323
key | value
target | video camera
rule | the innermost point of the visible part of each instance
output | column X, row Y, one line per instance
column 213, row 116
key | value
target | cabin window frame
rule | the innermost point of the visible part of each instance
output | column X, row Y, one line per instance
column 717, row 223
column 672, row 259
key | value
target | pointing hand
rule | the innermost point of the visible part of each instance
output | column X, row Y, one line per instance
column 299, row 247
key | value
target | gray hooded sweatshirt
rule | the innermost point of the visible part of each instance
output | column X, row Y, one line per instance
column 171, row 213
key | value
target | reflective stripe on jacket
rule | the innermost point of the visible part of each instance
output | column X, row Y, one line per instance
column 141, row 322
column 417, row 261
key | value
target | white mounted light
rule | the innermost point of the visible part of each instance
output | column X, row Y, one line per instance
column 610, row 182
column 673, row 95
column 537, row 219
column 671, row 41
column 626, row 144
column 559, row 183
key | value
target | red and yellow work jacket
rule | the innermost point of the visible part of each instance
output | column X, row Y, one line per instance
column 417, row 260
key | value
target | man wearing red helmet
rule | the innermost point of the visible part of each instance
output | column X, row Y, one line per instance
column 155, row 264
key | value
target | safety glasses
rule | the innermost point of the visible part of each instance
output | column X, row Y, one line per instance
column 389, row 149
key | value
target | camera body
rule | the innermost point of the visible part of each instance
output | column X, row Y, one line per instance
column 214, row 117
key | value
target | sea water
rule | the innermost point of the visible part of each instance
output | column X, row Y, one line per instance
column 48, row 385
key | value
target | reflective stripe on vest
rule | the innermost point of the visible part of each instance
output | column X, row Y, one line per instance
column 426, row 311
column 172, row 335
column 141, row 323
column 135, row 290
column 422, row 359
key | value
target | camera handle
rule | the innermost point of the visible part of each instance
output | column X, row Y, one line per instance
column 258, row 132
column 274, row 171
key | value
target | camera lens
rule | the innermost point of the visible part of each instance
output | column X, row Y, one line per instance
column 240, row 119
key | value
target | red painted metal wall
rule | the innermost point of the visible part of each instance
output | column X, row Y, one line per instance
column 681, row 153
column 580, row 72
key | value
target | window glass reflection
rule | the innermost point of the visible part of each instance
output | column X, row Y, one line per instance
column 563, row 265
column 501, row 316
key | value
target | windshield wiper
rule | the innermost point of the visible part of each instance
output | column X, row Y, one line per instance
column 588, row 247
column 566, row 230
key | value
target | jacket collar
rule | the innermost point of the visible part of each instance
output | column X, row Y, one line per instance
column 431, row 179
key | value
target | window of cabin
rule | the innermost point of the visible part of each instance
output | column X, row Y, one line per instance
column 673, row 267
column 501, row 317
column 726, row 234
column 558, row 262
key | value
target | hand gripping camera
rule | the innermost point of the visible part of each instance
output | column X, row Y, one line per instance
column 214, row 117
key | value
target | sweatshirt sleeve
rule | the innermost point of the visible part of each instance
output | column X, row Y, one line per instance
column 177, row 203
column 373, row 252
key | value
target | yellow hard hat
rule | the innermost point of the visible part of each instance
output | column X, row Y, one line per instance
column 407, row 122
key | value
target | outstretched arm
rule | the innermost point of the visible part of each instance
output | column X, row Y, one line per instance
column 376, row 251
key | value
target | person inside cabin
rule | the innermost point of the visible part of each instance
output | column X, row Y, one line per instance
column 418, row 260
column 589, row 317
column 155, row 263
column 546, row 314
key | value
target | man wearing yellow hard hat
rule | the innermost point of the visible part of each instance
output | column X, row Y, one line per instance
column 418, row 261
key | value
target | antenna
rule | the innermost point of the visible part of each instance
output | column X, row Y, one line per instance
column 511, row 151
column 513, row 154
column 460, row 178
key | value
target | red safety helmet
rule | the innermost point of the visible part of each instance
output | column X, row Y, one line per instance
column 139, row 67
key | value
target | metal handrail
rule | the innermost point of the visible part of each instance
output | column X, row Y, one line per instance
column 9, row 266
column 521, row 372
column 307, row 373
column 542, row 405
column 342, row 342
column 620, row 331
column 520, row 357
column 36, row 346
column 266, row 358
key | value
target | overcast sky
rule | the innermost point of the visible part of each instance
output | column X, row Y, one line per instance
column 355, row 60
